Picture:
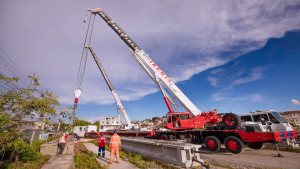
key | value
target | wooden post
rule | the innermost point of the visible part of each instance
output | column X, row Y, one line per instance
column 43, row 126
column 16, row 161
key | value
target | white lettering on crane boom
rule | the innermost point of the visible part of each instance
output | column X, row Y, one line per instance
column 160, row 71
column 122, row 110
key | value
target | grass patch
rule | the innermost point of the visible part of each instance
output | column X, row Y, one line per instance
column 84, row 159
column 87, row 160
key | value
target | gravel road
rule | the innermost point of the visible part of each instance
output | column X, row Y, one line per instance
column 250, row 158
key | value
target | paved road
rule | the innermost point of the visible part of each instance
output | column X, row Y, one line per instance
column 122, row 164
column 61, row 162
column 254, row 158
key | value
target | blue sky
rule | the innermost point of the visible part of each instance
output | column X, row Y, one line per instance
column 233, row 56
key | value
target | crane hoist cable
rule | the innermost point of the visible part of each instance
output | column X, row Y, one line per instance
column 82, row 65
column 84, row 54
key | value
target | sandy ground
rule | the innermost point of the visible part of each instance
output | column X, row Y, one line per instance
column 122, row 164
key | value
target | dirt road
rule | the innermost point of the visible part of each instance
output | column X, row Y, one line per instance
column 250, row 158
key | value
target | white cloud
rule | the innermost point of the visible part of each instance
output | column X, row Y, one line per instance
column 296, row 102
column 184, row 37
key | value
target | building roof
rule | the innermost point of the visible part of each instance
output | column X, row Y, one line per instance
column 290, row 112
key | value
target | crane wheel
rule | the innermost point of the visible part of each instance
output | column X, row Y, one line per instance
column 231, row 121
column 234, row 144
column 212, row 143
column 164, row 137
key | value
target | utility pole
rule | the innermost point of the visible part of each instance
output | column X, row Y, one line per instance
column 43, row 126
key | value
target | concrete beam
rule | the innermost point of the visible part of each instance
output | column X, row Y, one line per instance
column 51, row 148
column 179, row 154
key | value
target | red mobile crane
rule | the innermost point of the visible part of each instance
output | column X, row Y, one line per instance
column 191, row 119
column 184, row 124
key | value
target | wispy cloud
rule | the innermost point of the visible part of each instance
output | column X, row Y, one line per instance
column 254, row 74
column 255, row 97
column 215, row 71
column 213, row 81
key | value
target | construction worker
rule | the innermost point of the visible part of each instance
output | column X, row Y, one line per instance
column 101, row 143
column 62, row 143
column 114, row 145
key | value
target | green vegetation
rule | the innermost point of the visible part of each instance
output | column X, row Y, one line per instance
column 29, row 157
column 78, row 122
column 84, row 159
column 97, row 123
column 87, row 160
column 15, row 105
column 154, row 118
column 31, row 165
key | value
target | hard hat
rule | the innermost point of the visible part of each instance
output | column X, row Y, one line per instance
column 115, row 131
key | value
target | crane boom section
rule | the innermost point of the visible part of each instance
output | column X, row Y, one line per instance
column 149, row 66
column 161, row 77
column 114, row 93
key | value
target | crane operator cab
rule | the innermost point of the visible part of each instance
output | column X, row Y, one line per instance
column 178, row 120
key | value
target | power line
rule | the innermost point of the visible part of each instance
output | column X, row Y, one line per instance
column 15, row 68
column 9, row 69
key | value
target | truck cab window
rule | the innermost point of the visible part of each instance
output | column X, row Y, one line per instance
column 169, row 121
column 260, row 117
column 184, row 117
column 246, row 118
column 273, row 119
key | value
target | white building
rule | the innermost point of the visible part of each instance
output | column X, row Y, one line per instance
column 80, row 130
column 109, row 123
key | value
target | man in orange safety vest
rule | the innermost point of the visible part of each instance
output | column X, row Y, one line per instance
column 114, row 145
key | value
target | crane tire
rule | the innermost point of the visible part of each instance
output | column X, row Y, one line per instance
column 164, row 137
column 231, row 121
column 212, row 143
column 234, row 144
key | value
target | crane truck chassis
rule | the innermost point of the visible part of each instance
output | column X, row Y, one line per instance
column 234, row 140
column 184, row 124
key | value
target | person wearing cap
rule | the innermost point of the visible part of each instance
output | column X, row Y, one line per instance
column 62, row 143
column 114, row 145
column 101, row 143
